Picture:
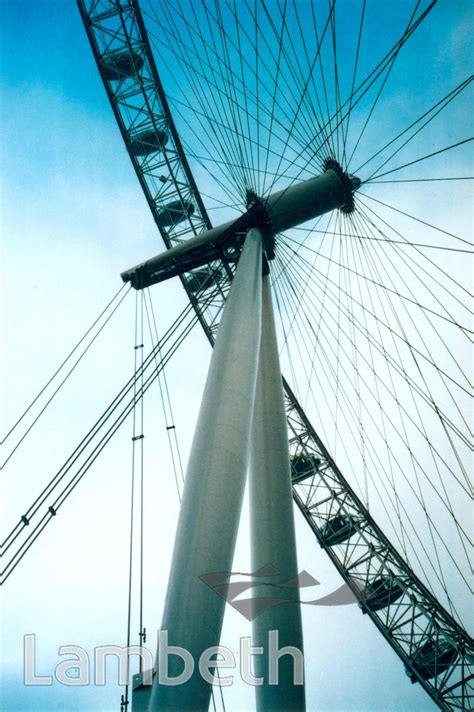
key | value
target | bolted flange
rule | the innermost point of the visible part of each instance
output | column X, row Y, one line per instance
column 351, row 184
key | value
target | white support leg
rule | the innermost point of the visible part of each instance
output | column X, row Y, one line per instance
column 272, row 527
column 214, row 486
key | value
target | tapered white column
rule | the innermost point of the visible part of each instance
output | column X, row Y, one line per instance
column 273, row 533
column 214, row 486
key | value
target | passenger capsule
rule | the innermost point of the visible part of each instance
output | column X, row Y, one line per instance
column 174, row 213
column 202, row 279
column 119, row 65
column 381, row 592
column 149, row 141
column 433, row 658
column 303, row 466
column 338, row 529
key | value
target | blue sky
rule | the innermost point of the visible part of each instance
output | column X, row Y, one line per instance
column 73, row 216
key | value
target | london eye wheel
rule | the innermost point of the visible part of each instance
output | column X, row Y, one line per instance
column 223, row 105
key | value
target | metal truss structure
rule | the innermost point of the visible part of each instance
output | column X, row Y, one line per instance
column 435, row 649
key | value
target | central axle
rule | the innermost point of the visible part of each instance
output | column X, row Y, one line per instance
column 280, row 211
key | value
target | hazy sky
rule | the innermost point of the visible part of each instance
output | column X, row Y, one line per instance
column 73, row 216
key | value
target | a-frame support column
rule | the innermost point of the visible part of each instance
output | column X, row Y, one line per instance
column 273, row 534
column 214, row 486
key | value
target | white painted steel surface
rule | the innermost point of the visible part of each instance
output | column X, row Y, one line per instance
column 272, row 525
column 214, row 486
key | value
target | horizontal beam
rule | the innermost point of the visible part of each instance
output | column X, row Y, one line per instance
column 195, row 252
column 279, row 212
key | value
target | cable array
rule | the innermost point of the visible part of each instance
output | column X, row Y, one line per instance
column 373, row 306
column 48, row 502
